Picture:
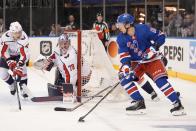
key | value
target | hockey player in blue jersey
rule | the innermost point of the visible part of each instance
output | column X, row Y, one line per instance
column 138, row 56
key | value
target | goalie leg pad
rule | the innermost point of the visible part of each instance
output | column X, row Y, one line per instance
column 53, row 91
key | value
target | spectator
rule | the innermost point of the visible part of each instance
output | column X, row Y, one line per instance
column 1, row 27
column 71, row 25
column 103, row 30
column 113, row 30
column 56, row 30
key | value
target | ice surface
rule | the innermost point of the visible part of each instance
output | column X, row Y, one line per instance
column 106, row 117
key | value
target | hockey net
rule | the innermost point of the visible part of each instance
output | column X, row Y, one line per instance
column 95, row 70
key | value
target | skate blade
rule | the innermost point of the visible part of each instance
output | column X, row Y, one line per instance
column 179, row 113
column 156, row 99
column 137, row 112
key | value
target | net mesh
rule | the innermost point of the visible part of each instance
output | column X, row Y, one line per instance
column 97, row 71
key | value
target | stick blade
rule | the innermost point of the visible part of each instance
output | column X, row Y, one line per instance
column 81, row 119
column 62, row 109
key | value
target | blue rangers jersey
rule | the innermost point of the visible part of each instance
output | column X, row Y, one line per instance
column 132, row 48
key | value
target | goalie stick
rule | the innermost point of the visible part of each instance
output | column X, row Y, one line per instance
column 47, row 98
column 53, row 98
column 82, row 103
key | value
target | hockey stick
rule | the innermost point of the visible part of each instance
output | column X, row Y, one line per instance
column 17, row 92
column 54, row 98
column 81, row 119
column 16, row 87
column 82, row 103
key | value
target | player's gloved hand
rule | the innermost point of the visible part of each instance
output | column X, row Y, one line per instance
column 156, row 46
column 150, row 53
column 164, row 59
column 11, row 64
column 126, row 73
column 18, row 71
column 21, row 62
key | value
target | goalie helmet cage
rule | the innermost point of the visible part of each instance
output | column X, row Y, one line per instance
column 94, row 69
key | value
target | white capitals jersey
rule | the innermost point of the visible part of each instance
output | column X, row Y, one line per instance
column 67, row 65
column 14, row 48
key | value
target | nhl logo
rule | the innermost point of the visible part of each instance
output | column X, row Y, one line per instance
column 46, row 48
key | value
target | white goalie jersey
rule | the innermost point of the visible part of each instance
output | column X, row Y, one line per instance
column 67, row 65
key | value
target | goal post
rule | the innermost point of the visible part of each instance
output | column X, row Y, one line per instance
column 94, row 68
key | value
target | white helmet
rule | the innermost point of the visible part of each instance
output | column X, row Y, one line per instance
column 15, row 27
column 63, row 38
column 64, row 43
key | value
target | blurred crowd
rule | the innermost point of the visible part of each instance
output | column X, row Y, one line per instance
column 181, row 25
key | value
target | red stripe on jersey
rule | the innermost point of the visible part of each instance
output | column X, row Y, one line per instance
column 130, row 91
column 167, row 92
column 4, row 49
column 66, row 74
column 22, row 52
column 52, row 56
column 124, row 55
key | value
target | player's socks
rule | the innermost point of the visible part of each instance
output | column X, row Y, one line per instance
column 167, row 89
column 23, row 88
column 131, row 90
column 10, row 82
column 146, row 86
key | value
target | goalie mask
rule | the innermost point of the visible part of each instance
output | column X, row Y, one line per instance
column 16, row 30
column 64, row 43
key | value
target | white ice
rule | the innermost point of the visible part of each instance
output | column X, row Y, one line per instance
column 106, row 117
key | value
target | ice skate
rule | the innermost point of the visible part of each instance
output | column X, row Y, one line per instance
column 24, row 90
column 12, row 89
column 136, row 107
column 178, row 109
column 154, row 96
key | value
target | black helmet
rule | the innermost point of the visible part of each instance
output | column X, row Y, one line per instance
column 99, row 14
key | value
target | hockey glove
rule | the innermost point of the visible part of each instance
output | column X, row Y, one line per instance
column 18, row 71
column 126, row 73
column 156, row 46
column 150, row 53
column 11, row 64
column 21, row 63
column 164, row 59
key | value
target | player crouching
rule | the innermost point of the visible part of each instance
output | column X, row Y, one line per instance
column 65, row 57
column 14, row 55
